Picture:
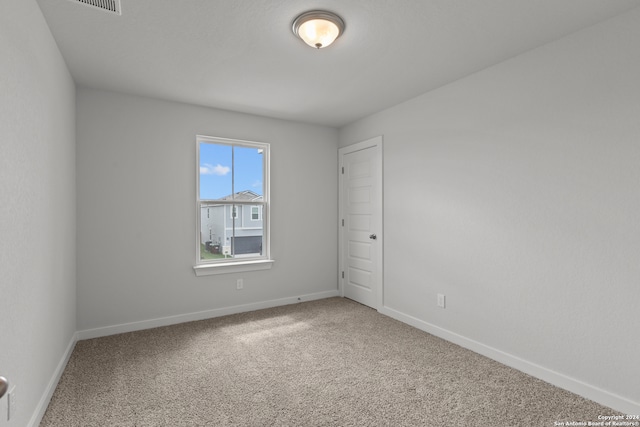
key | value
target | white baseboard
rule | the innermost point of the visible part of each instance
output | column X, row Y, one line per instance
column 200, row 315
column 36, row 418
column 580, row 388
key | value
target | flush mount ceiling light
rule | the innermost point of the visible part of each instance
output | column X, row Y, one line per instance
column 318, row 28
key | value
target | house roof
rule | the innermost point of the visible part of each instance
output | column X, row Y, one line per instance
column 246, row 195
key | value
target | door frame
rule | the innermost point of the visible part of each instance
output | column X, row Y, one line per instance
column 376, row 143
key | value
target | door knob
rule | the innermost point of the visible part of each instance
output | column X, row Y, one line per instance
column 4, row 385
column 373, row 236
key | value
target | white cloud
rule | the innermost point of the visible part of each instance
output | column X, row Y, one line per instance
column 257, row 184
column 218, row 169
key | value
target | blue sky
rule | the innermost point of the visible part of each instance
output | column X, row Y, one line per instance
column 217, row 171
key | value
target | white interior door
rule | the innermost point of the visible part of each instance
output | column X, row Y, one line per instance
column 361, row 222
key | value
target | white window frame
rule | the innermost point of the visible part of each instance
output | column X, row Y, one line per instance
column 259, row 214
column 235, row 265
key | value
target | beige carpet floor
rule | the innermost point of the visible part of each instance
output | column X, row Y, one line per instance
column 331, row 362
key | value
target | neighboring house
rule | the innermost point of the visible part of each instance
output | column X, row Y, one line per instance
column 218, row 222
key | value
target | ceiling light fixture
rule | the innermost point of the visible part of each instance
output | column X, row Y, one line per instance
column 318, row 28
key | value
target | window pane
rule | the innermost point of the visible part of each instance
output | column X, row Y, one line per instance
column 215, row 171
column 212, row 230
column 224, row 236
column 248, row 170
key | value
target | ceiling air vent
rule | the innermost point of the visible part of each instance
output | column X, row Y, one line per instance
column 112, row 6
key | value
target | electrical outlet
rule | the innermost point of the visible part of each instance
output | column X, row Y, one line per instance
column 239, row 284
column 441, row 300
column 11, row 403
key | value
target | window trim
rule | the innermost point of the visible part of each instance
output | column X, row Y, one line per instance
column 232, row 265
column 259, row 218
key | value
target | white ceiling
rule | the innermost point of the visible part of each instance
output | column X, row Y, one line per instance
column 241, row 55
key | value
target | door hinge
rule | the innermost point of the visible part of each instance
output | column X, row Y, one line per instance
column 343, row 222
column 343, row 274
column 343, row 170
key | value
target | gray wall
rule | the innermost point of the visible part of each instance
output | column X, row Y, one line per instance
column 37, row 208
column 524, row 182
column 132, row 150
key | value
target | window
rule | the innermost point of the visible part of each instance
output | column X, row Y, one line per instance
column 232, row 204
column 255, row 213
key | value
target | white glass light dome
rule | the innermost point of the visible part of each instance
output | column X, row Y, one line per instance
column 318, row 28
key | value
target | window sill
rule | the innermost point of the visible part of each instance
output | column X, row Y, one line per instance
column 232, row 267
